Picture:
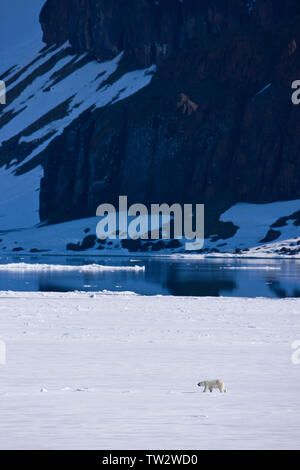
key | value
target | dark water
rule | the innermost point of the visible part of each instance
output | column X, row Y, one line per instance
column 210, row 277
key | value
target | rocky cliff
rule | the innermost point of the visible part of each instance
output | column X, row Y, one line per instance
column 151, row 30
column 216, row 124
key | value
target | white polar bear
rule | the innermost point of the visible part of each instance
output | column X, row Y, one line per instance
column 211, row 384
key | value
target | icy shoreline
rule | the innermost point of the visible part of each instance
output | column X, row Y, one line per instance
column 120, row 372
column 17, row 267
column 255, row 237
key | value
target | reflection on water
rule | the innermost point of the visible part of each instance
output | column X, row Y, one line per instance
column 208, row 288
column 164, row 276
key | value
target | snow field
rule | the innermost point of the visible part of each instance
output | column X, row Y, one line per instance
column 120, row 372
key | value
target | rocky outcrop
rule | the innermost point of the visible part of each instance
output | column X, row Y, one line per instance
column 216, row 125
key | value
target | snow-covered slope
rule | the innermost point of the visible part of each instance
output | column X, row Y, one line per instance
column 79, row 89
column 20, row 34
column 47, row 88
column 263, row 229
column 253, row 223
column 19, row 198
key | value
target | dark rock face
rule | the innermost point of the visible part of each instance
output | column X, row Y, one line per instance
column 216, row 125
column 271, row 236
column 150, row 30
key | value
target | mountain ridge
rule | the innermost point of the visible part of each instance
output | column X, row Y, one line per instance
column 247, row 150
column 180, row 101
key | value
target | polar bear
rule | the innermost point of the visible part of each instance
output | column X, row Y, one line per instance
column 211, row 384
